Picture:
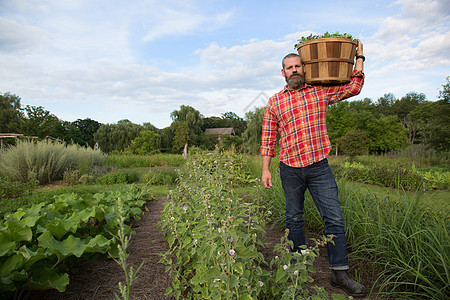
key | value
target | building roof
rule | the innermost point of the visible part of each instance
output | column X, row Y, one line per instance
column 220, row 131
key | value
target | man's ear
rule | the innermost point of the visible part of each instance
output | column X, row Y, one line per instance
column 282, row 72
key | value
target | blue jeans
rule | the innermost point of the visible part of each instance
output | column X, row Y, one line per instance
column 319, row 180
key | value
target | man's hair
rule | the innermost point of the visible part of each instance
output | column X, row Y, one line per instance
column 289, row 56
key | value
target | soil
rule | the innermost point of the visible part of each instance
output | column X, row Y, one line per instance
column 99, row 279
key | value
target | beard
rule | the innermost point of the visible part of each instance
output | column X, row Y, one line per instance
column 296, row 81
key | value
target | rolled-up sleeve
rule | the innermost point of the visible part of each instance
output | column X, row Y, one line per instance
column 269, row 132
column 353, row 88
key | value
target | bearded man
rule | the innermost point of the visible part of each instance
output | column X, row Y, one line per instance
column 298, row 114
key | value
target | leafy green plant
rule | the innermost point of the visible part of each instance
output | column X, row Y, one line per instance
column 38, row 243
column 295, row 268
column 325, row 35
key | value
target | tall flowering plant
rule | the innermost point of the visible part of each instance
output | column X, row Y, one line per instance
column 216, row 237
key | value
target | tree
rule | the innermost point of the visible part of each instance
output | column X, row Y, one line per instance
column 384, row 105
column 148, row 142
column 232, row 120
column 40, row 122
column 151, row 127
column 230, row 141
column 167, row 138
column 214, row 122
column 117, row 137
column 386, row 134
column 181, row 135
column 10, row 113
column 82, row 132
column 354, row 143
column 252, row 135
column 433, row 119
column 338, row 121
column 444, row 94
column 406, row 104
column 344, row 117
column 192, row 119
column 103, row 137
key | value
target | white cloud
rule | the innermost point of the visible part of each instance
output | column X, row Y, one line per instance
column 18, row 38
column 171, row 22
column 417, row 38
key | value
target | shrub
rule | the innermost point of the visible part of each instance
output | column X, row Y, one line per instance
column 45, row 161
column 118, row 177
column 14, row 189
column 72, row 177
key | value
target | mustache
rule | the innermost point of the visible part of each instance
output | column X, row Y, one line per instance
column 295, row 74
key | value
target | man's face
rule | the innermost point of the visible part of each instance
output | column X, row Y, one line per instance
column 293, row 72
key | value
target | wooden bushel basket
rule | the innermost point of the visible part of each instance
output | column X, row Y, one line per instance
column 328, row 60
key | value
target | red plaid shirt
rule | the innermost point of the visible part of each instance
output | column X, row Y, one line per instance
column 300, row 118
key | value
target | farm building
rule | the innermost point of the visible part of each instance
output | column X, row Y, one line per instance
column 219, row 132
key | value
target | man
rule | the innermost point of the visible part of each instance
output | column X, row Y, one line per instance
column 298, row 113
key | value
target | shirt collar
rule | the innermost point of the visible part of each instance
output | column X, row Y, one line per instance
column 286, row 89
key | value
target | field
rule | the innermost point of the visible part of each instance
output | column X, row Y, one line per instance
column 217, row 224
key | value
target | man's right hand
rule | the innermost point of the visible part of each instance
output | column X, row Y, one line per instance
column 267, row 179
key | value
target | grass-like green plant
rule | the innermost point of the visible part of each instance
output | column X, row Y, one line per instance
column 136, row 161
column 404, row 238
column 422, row 156
column 392, row 178
column 161, row 176
column 44, row 161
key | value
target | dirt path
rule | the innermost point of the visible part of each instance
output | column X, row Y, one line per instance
column 99, row 279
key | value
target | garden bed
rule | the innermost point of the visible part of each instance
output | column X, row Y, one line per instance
column 99, row 279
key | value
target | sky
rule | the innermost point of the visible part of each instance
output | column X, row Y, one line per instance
column 110, row 60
